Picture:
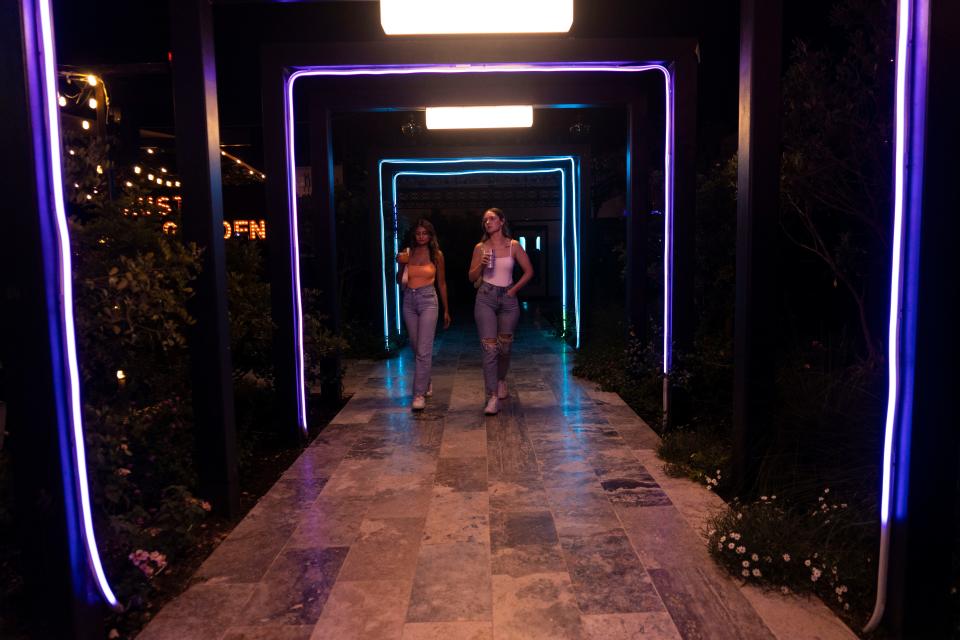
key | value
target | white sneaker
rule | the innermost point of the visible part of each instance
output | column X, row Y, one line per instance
column 493, row 406
column 419, row 403
column 502, row 391
column 430, row 390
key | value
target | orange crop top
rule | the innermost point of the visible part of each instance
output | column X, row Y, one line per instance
column 421, row 275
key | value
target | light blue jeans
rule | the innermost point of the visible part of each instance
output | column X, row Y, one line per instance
column 420, row 311
column 496, row 314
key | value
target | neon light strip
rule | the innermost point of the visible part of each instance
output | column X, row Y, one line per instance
column 574, row 166
column 895, row 416
column 67, row 329
column 563, row 196
column 534, row 67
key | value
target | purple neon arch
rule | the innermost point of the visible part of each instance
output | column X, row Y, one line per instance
column 529, row 67
column 909, row 112
column 76, row 487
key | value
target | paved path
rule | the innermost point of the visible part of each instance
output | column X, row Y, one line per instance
column 541, row 522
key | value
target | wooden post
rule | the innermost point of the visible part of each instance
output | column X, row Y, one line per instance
column 638, row 208
column 758, row 201
column 198, row 161
column 283, row 295
column 326, row 273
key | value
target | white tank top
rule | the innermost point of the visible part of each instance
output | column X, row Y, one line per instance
column 501, row 275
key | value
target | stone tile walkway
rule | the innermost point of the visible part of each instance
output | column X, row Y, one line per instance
column 547, row 521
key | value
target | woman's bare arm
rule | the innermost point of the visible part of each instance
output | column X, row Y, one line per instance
column 442, row 286
column 476, row 263
column 525, row 265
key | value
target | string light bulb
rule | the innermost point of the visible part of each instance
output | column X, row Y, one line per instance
column 121, row 375
column 61, row 100
column 150, row 177
column 169, row 184
column 92, row 103
column 176, row 183
column 100, row 170
column 92, row 80
column 137, row 170
column 150, row 151
column 159, row 180
column 86, row 125
column 163, row 170
column 128, row 183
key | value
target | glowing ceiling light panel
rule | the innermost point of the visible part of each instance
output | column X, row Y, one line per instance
column 426, row 17
column 76, row 489
column 456, row 69
column 499, row 117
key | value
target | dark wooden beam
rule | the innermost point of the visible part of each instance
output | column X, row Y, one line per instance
column 280, row 239
column 198, row 162
column 61, row 596
column 326, row 276
column 638, row 209
column 758, row 201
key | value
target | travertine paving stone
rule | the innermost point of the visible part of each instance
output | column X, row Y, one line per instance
column 540, row 522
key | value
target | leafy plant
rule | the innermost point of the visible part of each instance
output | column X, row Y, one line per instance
column 808, row 544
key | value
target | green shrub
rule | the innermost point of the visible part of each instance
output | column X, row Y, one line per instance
column 818, row 545
column 701, row 454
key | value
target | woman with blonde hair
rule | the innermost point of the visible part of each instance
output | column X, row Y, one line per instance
column 496, row 309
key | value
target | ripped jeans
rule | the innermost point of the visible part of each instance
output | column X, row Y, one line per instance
column 496, row 315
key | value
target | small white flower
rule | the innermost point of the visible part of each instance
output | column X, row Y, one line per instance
column 764, row 498
column 712, row 533
column 722, row 538
column 806, row 562
column 755, row 557
column 735, row 535
column 739, row 516
column 827, row 490
column 815, row 574
column 745, row 563
column 786, row 557
column 756, row 573
column 745, row 573
column 773, row 497
column 846, row 607
column 741, row 549
column 730, row 545
column 784, row 590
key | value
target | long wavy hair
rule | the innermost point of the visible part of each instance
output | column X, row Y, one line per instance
column 433, row 246
column 505, row 229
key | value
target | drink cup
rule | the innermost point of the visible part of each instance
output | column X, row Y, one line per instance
column 491, row 258
column 404, row 256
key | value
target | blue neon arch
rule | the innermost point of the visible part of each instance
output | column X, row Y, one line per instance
column 567, row 166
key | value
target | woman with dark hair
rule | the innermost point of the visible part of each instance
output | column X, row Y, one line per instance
column 422, row 273
column 496, row 309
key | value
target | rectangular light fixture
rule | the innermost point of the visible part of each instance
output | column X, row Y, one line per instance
column 500, row 117
column 424, row 17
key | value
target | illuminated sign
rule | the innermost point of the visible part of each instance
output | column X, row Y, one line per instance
column 252, row 229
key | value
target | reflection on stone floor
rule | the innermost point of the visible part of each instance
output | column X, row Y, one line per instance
column 541, row 522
